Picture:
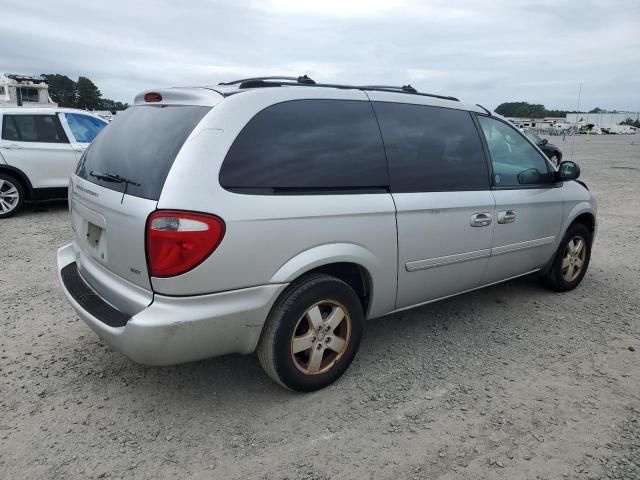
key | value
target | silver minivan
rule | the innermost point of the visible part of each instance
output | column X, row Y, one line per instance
column 277, row 215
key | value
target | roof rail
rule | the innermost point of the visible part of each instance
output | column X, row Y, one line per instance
column 404, row 88
column 305, row 81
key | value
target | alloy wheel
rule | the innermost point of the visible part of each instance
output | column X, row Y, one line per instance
column 9, row 196
column 321, row 337
column 573, row 260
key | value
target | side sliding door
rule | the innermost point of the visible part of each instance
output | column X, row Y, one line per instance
column 439, row 180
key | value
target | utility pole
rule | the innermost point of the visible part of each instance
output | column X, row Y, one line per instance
column 573, row 141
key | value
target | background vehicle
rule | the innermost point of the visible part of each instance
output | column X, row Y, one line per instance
column 278, row 215
column 39, row 149
column 549, row 149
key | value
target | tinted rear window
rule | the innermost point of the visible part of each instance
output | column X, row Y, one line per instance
column 307, row 145
column 141, row 144
column 33, row 128
column 431, row 149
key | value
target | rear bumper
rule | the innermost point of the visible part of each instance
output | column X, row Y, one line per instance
column 172, row 330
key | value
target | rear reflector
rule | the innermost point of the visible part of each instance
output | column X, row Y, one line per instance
column 152, row 97
column 178, row 241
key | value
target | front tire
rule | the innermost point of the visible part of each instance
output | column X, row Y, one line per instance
column 312, row 333
column 11, row 195
column 571, row 261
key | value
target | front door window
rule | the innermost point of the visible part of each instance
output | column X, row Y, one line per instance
column 515, row 161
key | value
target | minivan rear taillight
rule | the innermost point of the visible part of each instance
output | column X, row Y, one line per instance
column 178, row 241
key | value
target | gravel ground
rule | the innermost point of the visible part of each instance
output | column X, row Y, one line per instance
column 508, row 382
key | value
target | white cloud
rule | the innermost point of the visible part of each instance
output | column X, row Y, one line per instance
column 483, row 52
column 333, row 8
column 424, row 74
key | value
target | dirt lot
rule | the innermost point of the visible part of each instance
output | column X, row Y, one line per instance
column 508, row 382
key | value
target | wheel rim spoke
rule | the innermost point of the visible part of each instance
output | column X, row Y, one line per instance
column 566, row 261
column 303, row 342
column 334, row 319
column 315, row 317
column 337, row 344
column 5, row 205
column 316, row 360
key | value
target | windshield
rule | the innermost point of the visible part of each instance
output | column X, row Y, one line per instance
column 84, row 127
column 140, row 145
column 533, row 136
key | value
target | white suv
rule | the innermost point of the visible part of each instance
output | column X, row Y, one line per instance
column 39, row 149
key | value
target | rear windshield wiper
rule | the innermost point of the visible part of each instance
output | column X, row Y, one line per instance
column 112, row 177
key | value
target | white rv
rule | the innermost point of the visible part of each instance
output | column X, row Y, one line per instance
column 24, row 91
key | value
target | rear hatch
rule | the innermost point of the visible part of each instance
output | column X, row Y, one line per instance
column 117, row 185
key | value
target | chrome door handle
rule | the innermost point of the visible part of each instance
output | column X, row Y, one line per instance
column 480, row 219
column 507, row 216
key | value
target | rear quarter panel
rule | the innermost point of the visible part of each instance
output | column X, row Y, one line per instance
column 269, row 238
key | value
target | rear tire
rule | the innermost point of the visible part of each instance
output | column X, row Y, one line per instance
column 571, row 260
column 312, row 333
column 11, row 195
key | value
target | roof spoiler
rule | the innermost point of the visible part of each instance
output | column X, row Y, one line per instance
column 179, row 96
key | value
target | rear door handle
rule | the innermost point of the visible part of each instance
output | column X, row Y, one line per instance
column 482, row 219
column 507, row 216
column 11, row 146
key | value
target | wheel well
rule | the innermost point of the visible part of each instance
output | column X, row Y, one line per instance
column 587, row 220
column 353, row 275
column 20, row 177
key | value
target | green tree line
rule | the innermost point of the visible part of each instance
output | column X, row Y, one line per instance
column 527, row 110
column 83, row 93
column 536, row 110
column 631, row 121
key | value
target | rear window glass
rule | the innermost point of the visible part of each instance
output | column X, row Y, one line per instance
column 307, row 145
column 431, row 149
column 33, row 128
column 140, row 144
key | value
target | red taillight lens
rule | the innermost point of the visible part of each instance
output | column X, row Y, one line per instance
column 152, row 97
column 179, row 241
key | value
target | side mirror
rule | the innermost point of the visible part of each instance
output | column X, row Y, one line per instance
column 568, row 171
column 545, row 141
column 531, row 176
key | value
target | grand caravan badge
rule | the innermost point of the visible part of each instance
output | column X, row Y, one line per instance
column 86, row 190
